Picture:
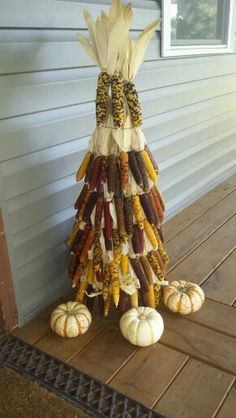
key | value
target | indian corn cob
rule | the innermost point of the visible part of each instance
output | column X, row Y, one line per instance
column 133, row 103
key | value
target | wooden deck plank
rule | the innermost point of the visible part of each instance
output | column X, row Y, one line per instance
column 204, row 260
column 185, row 242
column 147, row 374
column 221, row 285
column 105, row 354
column 198, row 208
column 217, row 316
column 228, row 409
column 199, row 342
column 196, row 392
column 64, row 348
column 38, row 326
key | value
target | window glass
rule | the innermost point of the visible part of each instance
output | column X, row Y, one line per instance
column 199, row 22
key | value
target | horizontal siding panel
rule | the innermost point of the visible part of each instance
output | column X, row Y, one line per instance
column 23, row 100
column 61, row 14
column 38, row 56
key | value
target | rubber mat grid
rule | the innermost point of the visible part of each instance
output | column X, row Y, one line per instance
column 88, row 394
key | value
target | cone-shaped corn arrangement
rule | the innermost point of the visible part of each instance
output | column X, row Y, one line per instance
column 116, row 244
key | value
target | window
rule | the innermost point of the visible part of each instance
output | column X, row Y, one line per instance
column 192, row 27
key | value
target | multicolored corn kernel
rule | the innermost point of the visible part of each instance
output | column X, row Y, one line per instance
column 117, row 97
column 143, row 171
column 155, row 213
column 111, row 173
column 124, row 163
column 128, row 215
column 81, row 197
column 132, row 98
column 79, row 271
column 123, row 302
column 87, row 245
column 83, row 239
column 115, row 285
column 150, row 233
column 155, row 266
column 104, row 81
column 106, row 283
column 116, row 246
column 97, row 254
column 157, row 293
column 158, row 204
column 74, row 261
column 119, row 205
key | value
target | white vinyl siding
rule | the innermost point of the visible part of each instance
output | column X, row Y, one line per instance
column 47, row 90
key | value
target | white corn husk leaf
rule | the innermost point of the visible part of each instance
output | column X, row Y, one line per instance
column 114, row 11
column 125, row 69
column 116, row 39
column 91, row 28
column 102, row 40
column 122, row 137
column 140, row 48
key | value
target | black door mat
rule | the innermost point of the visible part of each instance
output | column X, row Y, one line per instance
column 95, row 398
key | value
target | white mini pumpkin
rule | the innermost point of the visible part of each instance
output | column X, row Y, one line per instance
column 142, row 326
column 183, row 297
column 70, row 319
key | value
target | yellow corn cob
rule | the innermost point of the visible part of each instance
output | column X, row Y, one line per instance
column 115, row 282
column 155, row 266
column 149, row 167
column 90, row 272
column 163, row 254
column 97, row 254
column 151, row 297
column 81, row 291
column 157, row 293
column 83, row 167
column 116, row 246
column 134, row 299
column 138, row 212
column 73, row 233
column 124, row 263
column 106, row 283
column 150, row 233
column 107, row 305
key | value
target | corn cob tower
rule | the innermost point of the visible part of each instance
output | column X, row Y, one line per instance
column 116, row 244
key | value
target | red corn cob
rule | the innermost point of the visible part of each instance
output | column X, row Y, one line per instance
column 81, row 197
column 95, row 173
column 98, row 214
column 146, row 205
column 88, row 245
column 108, row 221
column 90, row 206
column 135, row 169
column 111, row 173
column 119, row 205
column 135, row 262
column 128, row 215
column 83, row 239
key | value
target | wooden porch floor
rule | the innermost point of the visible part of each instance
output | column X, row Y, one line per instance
column 191, row 372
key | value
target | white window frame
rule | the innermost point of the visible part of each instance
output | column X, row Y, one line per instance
column 169, row 50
